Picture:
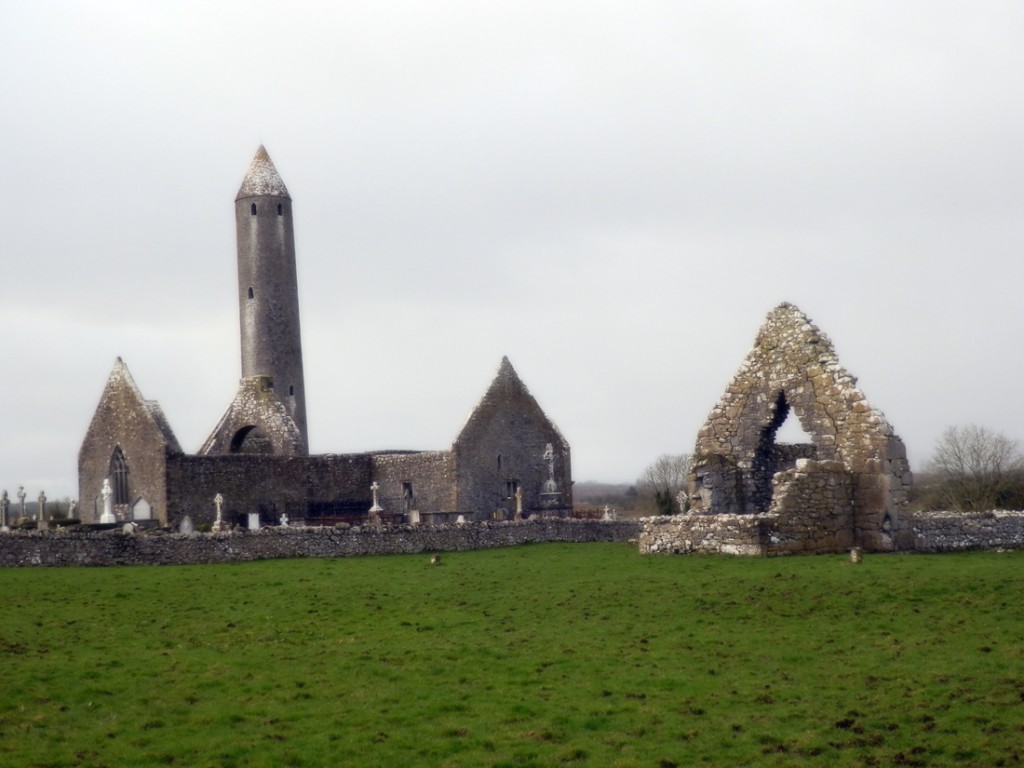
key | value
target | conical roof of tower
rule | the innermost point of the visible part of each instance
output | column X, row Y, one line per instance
column 262, row 178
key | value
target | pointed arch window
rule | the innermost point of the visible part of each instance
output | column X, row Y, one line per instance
column 252, row 209
column 119, row 476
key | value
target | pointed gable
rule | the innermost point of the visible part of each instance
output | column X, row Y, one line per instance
column 257, row 421
column 134, row 430
column 123, row 409
column 793, row 371
column 507, row 398
column 508, row 446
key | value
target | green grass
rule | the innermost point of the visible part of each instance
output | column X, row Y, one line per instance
column 540, row 655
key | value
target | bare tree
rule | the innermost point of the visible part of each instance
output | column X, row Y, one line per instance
column 977, row 469
column 661, row 483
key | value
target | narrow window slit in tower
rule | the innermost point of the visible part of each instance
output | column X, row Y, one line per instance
column 291, row 390
column 279, row 209
column 250, row 291
column 252, row 209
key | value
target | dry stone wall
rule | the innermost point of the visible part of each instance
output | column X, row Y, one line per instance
column 96, row 548
column 789, row 532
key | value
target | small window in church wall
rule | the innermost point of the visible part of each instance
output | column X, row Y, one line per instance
column 252, row 209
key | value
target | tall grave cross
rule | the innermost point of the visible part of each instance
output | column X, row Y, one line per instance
column 42, row 509
column 218, row 524
column 4, row 504
column 21, row 500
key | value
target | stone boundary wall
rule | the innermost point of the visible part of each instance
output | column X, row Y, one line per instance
column 954, row 531
column 72, row 546
column 771, row 534
column 724, row 534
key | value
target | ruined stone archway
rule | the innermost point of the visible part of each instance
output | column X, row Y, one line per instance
column 250, row 440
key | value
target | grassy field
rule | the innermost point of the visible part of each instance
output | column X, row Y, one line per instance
column 540, row 655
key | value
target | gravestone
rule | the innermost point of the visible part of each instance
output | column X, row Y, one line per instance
column 186, row 526
column 142, row 510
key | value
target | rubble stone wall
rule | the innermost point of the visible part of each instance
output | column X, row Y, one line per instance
column 952, row 531
column 98, row 548
column 789, row 531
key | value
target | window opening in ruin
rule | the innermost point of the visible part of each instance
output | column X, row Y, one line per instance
column 119, row 474
column 792, row 432
column 250, row 292
column 499, row 461
column 279, row 210
column 511, row 486
column 250, row 440
column 291, row 389
column 773, row 455
column 252, row 209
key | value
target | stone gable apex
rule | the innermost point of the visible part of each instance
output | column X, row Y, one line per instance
column 121, row 386
column 256, row 406
column 506, row 387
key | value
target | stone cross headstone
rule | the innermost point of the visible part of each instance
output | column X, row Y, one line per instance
column 42, row 510
column 519, row 504
column 376, row 509
column 4, row 504
column 218, row 524
column 284, row 520
column 72, row 509
column 108, row 507
column 21, row 500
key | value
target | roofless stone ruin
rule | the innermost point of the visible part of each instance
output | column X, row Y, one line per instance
column 847, row 487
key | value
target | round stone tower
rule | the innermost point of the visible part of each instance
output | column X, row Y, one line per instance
column 268, row 294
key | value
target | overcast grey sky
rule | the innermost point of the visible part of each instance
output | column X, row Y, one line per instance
column 612, row 194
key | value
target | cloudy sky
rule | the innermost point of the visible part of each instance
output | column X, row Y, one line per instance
column 611, row 194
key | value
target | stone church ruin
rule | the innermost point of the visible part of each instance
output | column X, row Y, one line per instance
column 847, row 487
column 508, row 462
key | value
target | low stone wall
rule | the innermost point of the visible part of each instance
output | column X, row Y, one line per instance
column 721, row 534
column 72, row 546
column 778, row 534
column 952, row 531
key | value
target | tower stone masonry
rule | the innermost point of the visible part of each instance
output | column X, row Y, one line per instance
column 268, row 293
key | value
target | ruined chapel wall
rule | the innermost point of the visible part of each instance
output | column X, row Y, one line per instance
column 123, row 419
column 812, row 509
column 429, row 474
column 793, row 365
column 268, row 485
column 505, row 440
